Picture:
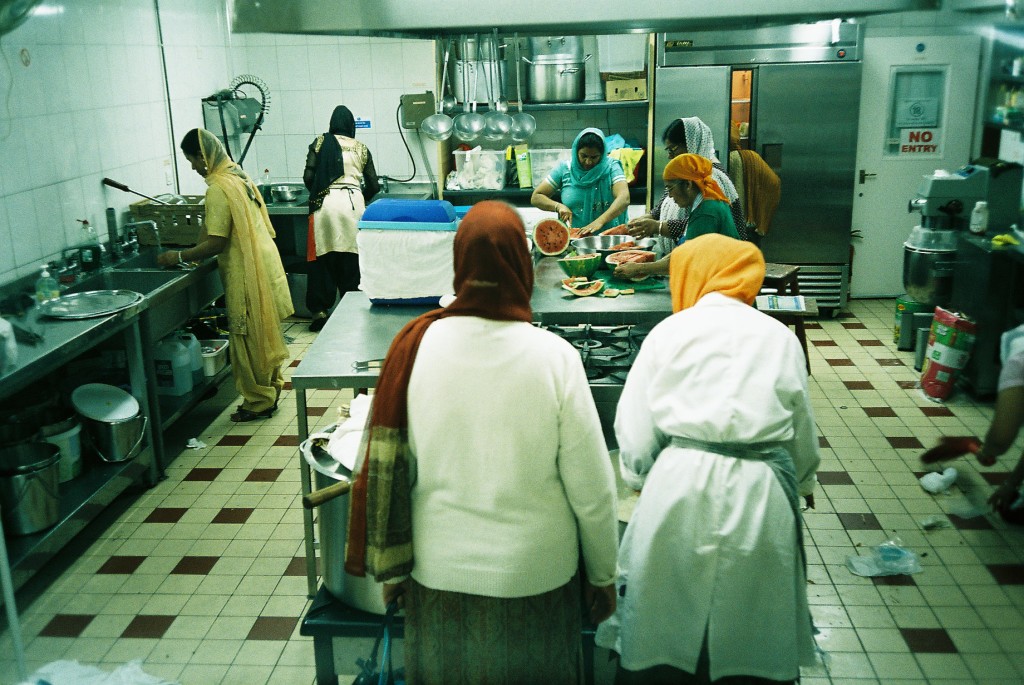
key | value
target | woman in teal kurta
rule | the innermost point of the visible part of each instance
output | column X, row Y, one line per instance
column 593, row 195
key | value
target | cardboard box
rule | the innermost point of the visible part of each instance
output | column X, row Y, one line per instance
column 621, row 91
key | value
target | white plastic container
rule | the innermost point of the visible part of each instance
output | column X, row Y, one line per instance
column 480, row 169
column 622, row 52
column 173, row 367
column 70, row 444
column 543, row 161
column 979, row 218
column 195, row 351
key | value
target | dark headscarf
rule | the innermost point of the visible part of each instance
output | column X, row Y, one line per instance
column 330, row 165
column 493, row 280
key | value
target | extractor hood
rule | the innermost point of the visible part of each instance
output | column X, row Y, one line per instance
column 436, row 18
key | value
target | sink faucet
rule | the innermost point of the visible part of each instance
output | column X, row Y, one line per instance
column 384, row 184
column 132, row 233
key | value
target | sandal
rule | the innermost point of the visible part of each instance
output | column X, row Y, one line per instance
column 245, row 415
column 318, row 322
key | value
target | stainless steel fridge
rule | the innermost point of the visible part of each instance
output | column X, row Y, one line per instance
column 804, row 101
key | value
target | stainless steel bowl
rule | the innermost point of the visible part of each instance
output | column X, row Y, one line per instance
column 603, row 243
column 284, row 193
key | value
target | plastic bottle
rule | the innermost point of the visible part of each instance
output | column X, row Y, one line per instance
column 173, row 364
column 195, row 351
column 46, row 286
column 979, row 218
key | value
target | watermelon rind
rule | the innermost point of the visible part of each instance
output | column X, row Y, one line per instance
column 550, row 250
column 582, row 288
column 581, row 265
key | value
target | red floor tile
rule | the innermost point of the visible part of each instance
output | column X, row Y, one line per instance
column 812, row 325
column 928, row 640
column 823, row 443
column 853, row 326
column 995, row 477
column 840, row 362
column 272, row 628
column 195, row 566
column 150, row 627
column 894, row 580
column 907, row 385
column 200, row 474
column 890, row 362
column 287, row 441
column 871, row 343
column 825, row 343
column 316, row 411
column 936, row 411
column 233, row 440
column 67, row 625
column 295, row 362
column 834, row 478
column 975, row 523
column 1007, row 574
column 288, row 385
column 233, row 515
column 119, row 564
column 858, row 385
column 263, row 475
column 859, row 521
column 879, row 412
column 165, row 515
column 905, row 443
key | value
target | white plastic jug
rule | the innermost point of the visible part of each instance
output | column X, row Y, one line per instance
column 173, row 367
column 195, row 351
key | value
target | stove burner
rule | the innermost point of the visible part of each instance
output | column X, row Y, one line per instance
column 607, row 351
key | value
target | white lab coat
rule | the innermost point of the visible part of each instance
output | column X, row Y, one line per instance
column 712, row 546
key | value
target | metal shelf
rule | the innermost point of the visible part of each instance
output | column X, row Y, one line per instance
column 81, row 500
column 559, row 106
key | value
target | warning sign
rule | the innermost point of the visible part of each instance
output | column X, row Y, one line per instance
column 921, row 141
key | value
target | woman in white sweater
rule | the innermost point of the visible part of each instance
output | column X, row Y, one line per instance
column 486, row 478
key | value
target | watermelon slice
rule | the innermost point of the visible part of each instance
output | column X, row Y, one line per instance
column 551, row 237
column 581, row 287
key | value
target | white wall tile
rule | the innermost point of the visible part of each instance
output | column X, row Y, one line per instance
column 21, row 215
column 293, row 67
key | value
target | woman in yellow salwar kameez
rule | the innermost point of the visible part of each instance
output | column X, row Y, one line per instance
column 238, row 231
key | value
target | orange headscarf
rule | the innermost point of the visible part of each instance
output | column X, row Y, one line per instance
column 714, row 263
column 698, row 169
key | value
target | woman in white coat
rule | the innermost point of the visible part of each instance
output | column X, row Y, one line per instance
column 720, row 439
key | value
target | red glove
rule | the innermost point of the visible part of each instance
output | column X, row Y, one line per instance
column 951, row 448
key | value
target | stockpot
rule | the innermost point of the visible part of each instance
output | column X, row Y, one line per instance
column 928, row 260
column 556, row 78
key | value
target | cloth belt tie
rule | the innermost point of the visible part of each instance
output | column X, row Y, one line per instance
column 775, row 456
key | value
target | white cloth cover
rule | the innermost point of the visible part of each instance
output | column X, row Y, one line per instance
column 405, row 264
column 8, row 347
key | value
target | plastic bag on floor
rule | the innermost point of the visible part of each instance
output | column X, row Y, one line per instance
column 74, row 673
column 887, row 559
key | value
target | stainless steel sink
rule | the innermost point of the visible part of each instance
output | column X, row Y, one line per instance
column 143, row 260
column 145, row 282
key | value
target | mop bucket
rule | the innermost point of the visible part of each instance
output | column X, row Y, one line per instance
column 29, row 487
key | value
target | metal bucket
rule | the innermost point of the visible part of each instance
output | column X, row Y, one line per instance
column 29, row 487
column 362, row 593
column 117, row 441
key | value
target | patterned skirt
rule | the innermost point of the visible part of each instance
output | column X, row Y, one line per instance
column 458, row 639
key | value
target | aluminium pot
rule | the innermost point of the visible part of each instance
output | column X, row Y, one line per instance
column 360, row 592
column 556, row 78
column 928, row 274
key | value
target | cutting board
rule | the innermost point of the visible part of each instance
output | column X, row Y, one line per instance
column 610, row 281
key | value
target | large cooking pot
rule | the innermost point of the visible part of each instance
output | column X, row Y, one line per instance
column 556, row 78
column 328, row 471
column 928, row 259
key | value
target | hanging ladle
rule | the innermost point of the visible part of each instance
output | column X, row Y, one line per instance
column 448, row 103
column 523, row 125
column 497, row 124
column 470, row 124
column 501, row 104
column 438, row 126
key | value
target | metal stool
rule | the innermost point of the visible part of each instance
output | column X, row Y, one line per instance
column 781, row 279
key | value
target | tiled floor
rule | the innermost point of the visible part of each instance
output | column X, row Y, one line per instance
column 202, row 576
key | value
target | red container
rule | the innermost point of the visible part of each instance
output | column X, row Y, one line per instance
column 949, row 347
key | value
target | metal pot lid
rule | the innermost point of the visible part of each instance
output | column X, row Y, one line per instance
column 102, row 402
column 90, row 303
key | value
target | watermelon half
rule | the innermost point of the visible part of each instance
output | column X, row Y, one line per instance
column 551, row 237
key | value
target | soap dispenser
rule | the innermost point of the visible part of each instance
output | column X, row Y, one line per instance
column 46, row 286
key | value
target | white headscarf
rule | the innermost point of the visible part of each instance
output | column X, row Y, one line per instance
column 699, row 141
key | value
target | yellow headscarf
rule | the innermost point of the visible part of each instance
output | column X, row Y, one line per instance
column 257, row 306
column 698, row 169
column 714, row 263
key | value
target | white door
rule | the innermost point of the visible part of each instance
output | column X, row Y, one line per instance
column 916, row 115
